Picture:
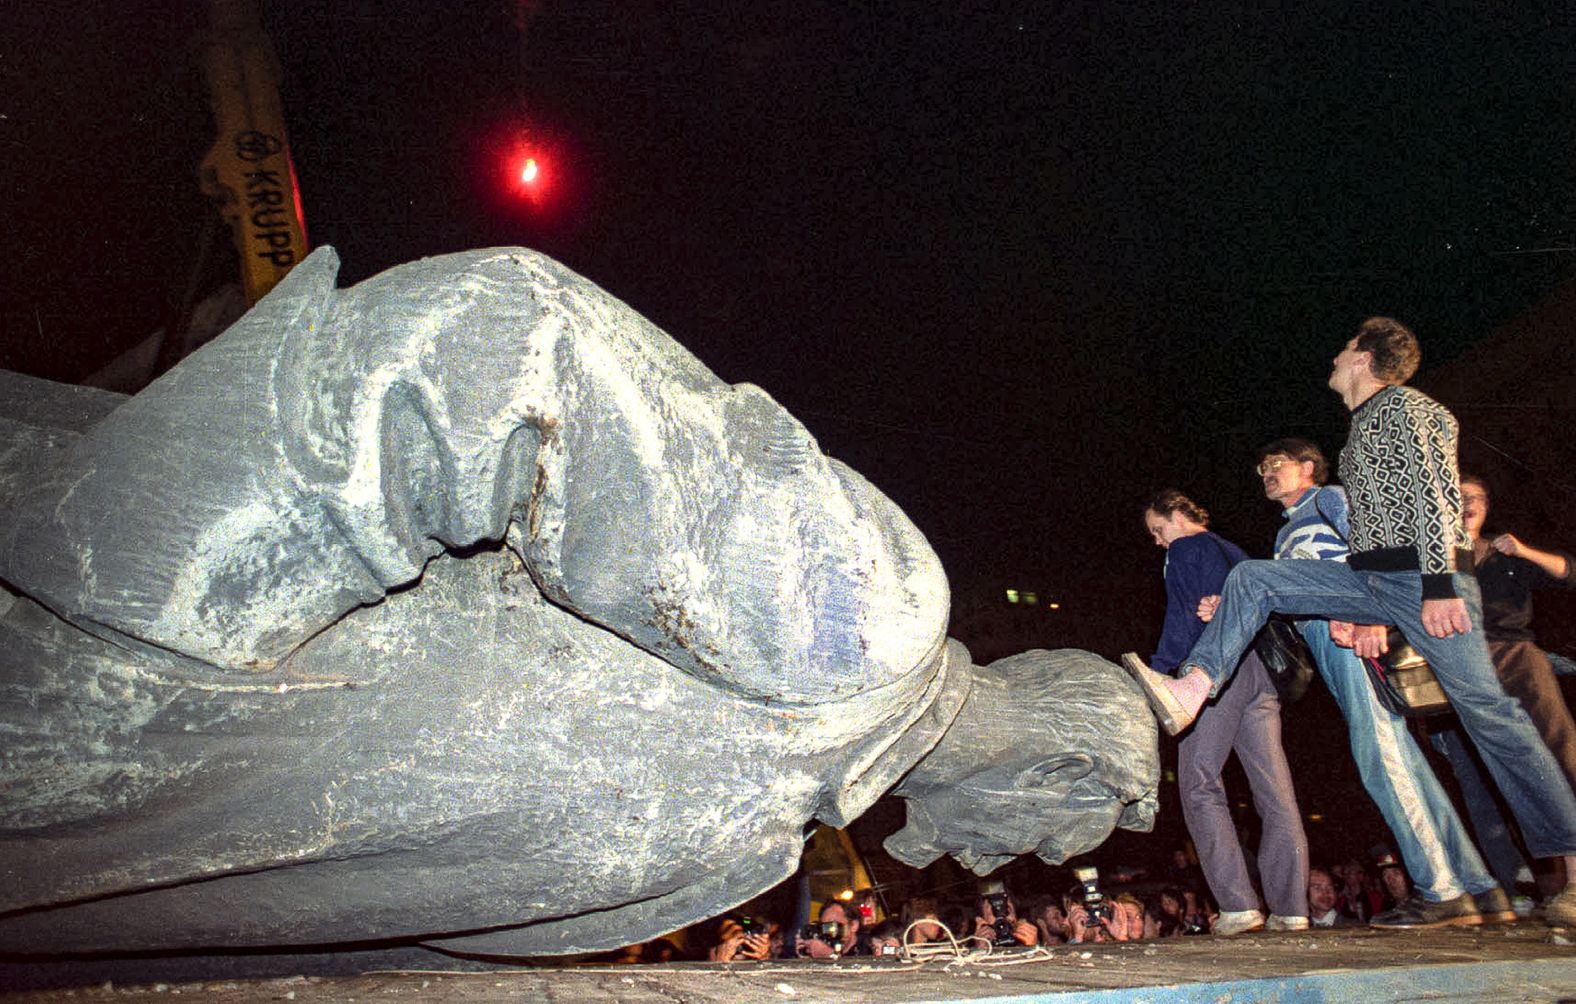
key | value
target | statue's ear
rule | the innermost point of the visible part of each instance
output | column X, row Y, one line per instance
column 1139, row 815
column 1056, row 771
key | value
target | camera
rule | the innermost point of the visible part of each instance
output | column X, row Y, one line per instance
column 828, row 932
column 1095, row 905
column 994, row 892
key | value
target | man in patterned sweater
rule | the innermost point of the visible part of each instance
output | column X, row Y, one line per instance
column 1410, row 565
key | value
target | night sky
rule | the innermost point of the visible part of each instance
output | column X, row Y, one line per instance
column 1020, row 264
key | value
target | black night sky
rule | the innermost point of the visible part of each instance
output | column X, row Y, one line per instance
column 1020, row 264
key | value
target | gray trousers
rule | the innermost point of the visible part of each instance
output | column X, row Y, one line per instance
column 1244, row 717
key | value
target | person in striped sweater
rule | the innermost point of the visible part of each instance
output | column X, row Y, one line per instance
column 1453, row 885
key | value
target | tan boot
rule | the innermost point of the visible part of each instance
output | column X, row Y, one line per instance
column 1174, row 716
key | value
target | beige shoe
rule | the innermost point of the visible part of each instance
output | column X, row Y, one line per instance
column 1279, row 923
column 1233, row 922
column 1560, row 910
column 1167, row 708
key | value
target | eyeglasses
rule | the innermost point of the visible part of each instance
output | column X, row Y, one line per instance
column 1271, row 466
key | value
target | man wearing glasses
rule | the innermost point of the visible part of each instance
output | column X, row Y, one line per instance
column 1410, row 565
column 1453, row 884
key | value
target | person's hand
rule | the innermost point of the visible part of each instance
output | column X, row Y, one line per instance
column 812, row 949
column 1507, row 543
column 1370, row 641
column 1554, row 564
column 726, row 949
column 1077, row 923
column 1207, row 607
column 985, row 929
column 1025, row 933
column 754, row 947
column 1443, row 618
column 1115, row 922
column 1341, row 633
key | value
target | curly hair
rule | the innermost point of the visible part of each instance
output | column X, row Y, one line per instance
column 1393, row 347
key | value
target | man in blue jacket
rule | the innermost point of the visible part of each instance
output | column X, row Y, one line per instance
column 1246, row 718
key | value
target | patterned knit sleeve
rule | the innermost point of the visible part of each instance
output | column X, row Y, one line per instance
column 1428, row 433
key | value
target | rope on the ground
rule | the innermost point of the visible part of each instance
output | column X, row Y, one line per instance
column 910, row 957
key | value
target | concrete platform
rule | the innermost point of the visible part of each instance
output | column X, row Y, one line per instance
column 1527, row 962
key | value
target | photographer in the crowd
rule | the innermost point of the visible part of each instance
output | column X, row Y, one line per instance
column 885, row 939
column 835, row 934
column 742, row 939
column 1082, row 928
column 996, row 921
column 1090, row 915
column 1197, row 910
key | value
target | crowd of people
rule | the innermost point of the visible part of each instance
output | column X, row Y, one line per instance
column 1175, row 903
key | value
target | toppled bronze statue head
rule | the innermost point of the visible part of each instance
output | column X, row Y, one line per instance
column 1049, row 752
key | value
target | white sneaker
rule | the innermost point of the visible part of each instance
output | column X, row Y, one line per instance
column 1237, row 922
column 1279, row 923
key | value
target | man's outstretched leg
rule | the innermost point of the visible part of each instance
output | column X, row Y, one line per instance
column 1253, row 591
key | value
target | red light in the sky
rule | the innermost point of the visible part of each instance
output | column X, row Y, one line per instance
column 529, row 171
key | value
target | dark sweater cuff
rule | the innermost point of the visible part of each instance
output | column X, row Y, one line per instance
column 1439, row 587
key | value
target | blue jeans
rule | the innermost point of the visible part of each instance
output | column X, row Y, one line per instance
column 1488, row 823
column 1434, row 845
column 1528, row 776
